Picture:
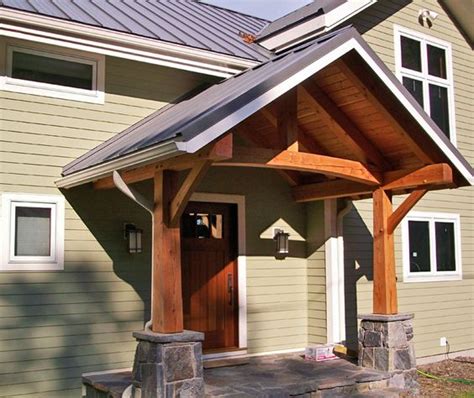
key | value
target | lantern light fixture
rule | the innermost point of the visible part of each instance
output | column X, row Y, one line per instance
column 133, row 235
column 281, row 239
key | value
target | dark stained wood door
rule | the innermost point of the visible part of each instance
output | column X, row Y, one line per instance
column 209, row 272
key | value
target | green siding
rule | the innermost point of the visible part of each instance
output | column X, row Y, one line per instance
column 56, row 325
column 441, row 308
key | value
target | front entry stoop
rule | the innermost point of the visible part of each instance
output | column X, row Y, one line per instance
column 168, row 365
column 386, row 344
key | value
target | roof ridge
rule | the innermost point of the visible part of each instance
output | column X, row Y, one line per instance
column 228, row 9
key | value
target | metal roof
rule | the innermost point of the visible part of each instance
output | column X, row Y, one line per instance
column 193, row 123
column 184, row 22
column 317, row 7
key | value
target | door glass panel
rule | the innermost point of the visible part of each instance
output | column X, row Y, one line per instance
column 439, row 107
column 415, row 87
column 419, row 238
column 202, row 225
column 445, row 258
column 32, row 231
column 411, row 54
column 436, row 61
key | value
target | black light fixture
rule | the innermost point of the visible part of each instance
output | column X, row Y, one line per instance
column 134, row 237
column 281, row 239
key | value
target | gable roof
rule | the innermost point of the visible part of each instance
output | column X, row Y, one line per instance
column 183, row 22
column 315, row 8
column 191, row 124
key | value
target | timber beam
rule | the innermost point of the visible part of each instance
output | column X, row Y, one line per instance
column 434, row 176
column 220, row 150
column 372, row 90
column 341, row 125
column 303, row 162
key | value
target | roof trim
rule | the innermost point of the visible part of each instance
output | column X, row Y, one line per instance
column 336, row 48
column 311, row 25
column 162, row 151
column 48, row 30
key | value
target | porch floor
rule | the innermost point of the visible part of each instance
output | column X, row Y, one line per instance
column 274, row 376
column 290, row 375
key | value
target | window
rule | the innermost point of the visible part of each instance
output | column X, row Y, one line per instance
column 202, row 225
column 423, row 64
column 33, row 227
column 69, row 75
column 431, row 247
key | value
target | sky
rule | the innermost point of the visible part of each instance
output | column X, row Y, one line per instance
column 268, row 9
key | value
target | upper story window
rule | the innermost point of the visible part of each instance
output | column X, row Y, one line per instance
column 32, row 232
column 60, row 73
column 423, row 64
column 431, row 247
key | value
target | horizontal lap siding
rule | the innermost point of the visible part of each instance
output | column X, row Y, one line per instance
column 441, row 308
column 54, row 326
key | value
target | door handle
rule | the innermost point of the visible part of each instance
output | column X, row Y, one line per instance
column 230, row 288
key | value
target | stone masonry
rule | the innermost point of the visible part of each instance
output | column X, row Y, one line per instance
column 386, row 344
column 168, row 365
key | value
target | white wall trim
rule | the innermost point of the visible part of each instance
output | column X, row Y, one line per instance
column 104, row 41
column 54, row 262
column 433, row 275
column 239, row 200
column 334, row 261
column 448, row 83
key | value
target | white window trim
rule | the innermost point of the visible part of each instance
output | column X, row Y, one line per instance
column 433, row 275
column 54, row 262
column 96, row 95
column 400, row 71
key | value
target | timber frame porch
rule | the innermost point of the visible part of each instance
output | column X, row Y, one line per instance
column 330, row 118
column 338, row 134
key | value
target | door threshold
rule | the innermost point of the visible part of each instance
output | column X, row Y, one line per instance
column 226, row 353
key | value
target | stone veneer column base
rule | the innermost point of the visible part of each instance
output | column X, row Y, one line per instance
column 385, row 343
column 168, row 365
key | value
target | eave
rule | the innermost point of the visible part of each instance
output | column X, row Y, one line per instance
column 47, row 30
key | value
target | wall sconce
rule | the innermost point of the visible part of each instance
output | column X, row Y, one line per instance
column 281, row 239
column 134, row 237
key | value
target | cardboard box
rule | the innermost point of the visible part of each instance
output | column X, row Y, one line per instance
column 320, row 352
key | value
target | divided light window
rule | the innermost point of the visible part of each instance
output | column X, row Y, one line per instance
column 33, row 232
column 424, row 66
column 431, row 247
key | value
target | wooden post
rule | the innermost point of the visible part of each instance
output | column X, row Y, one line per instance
column 167, row 301
column 385, row 283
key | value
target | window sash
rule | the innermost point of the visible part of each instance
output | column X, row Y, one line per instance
column 424, row 76
column 28, row 259
column 433, row 274
column 92, row 63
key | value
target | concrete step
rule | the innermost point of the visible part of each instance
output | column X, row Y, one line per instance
column 382, row 393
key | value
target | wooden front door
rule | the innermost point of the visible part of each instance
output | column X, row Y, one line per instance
column 209, row 272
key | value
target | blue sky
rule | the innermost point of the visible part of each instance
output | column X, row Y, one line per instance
column 268, row 9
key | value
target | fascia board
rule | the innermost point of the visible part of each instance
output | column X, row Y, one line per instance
column 315, row 26
column 48, row 30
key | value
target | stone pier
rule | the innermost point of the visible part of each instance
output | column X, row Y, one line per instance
column 386, row 344
column 168, row 365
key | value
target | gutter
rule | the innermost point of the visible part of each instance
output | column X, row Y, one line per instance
column 160, row 152
column 47, row 30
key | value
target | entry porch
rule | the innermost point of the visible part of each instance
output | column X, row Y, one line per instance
column 283, row 375
column 334, row 123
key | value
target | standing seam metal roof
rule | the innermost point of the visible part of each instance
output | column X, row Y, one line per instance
column 188, row 119
column 185, row 22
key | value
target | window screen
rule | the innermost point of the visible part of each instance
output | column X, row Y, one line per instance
column 32, row 231
column 445, row 249
column 419, row 238
column 50, row 70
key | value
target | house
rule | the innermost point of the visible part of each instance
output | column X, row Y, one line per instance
column 291, row 130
